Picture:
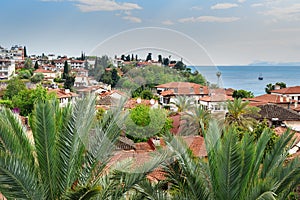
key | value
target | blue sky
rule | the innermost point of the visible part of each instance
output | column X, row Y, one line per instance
column 230, row 32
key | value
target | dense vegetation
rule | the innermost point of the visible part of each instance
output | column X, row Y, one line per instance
column 69, row 151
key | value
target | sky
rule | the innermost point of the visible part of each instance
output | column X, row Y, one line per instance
column 221, row 32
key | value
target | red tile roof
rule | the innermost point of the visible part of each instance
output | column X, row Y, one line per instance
column 167, row 93
column 288, row 90
column 196, row 144
column 229, row 91
column 43, row 71
column 61, row 93
column 216, row 98
column 271, row 98
column 131, row 103
column 185, row 88
column 177, row 122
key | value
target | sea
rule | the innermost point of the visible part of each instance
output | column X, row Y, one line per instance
column 246, row 77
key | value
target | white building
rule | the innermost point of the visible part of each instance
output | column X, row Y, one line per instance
column 7, row 68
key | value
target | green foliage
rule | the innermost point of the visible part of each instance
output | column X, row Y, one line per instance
column 100, row 113
column 257, row 130
column 24, row 74
column 127, row 68
column 107, row 78
column 66, row 70
column 100, row 65
column 14, row 86
column 166, row 61
column 150, row 76
column 67, row 157
column 195, row 120
column 114, row 77
column 197, row 78
column 234, row 169
column 144, row 122
column 240, row 114
column 183, row 103
column 25, row 52
column 242, row 94
column 37, row 78
column 69, row 82
column 139, row 92
column 110, row 77
column 269, row 87
column 180, row 66
column 146, row 94
column 26, row 99
column 28, row 63
column 58, row 80
column 36, row 65
column 149, row 57
column 6, row 103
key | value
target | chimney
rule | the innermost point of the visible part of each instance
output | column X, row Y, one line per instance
column 277, row 87
column 67, row 91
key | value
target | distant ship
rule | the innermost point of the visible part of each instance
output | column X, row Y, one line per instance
column 260, row 77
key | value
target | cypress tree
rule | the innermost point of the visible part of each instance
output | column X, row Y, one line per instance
column 25, row 52
column 66, row 70
column 36, row 65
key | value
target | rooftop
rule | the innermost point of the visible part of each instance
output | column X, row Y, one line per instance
column 288, row 90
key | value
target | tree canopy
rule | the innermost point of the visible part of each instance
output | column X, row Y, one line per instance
column 269, row 87
column 144, row 122
column 242, row 94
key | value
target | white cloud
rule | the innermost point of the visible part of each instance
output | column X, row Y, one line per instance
column 289, row 13
column 208, row 19
column 257, row 5
column 241, row 1
column 168, row 22
column 224, row 6
column 196, row 8
column 132, row 19
column 101, row 5
column 105, row 5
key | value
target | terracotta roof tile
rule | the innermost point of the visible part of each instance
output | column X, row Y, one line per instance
column 62, row 93
column 269, row 111
column 43, row 71
column 271, row 98
column 185, row 88
column 288, row 90
column 196, row 144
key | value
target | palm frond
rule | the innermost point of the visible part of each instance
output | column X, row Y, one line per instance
column 125, row 181
column 151, row 191
column 187, row 174
column 44, row 132
column 83, row 193
column 102, row 144
column 278, row 154
column 18, row 180
column 13, row 138
column 72, row 138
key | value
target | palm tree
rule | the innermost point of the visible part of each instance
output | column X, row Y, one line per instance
column 240, row 113
column 235, row 169
column 218, row 74
column 67, row 156
column 195, row 120
column 60, row 158
column 183, row 103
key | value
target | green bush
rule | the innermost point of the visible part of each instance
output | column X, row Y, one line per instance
column 144, row 123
